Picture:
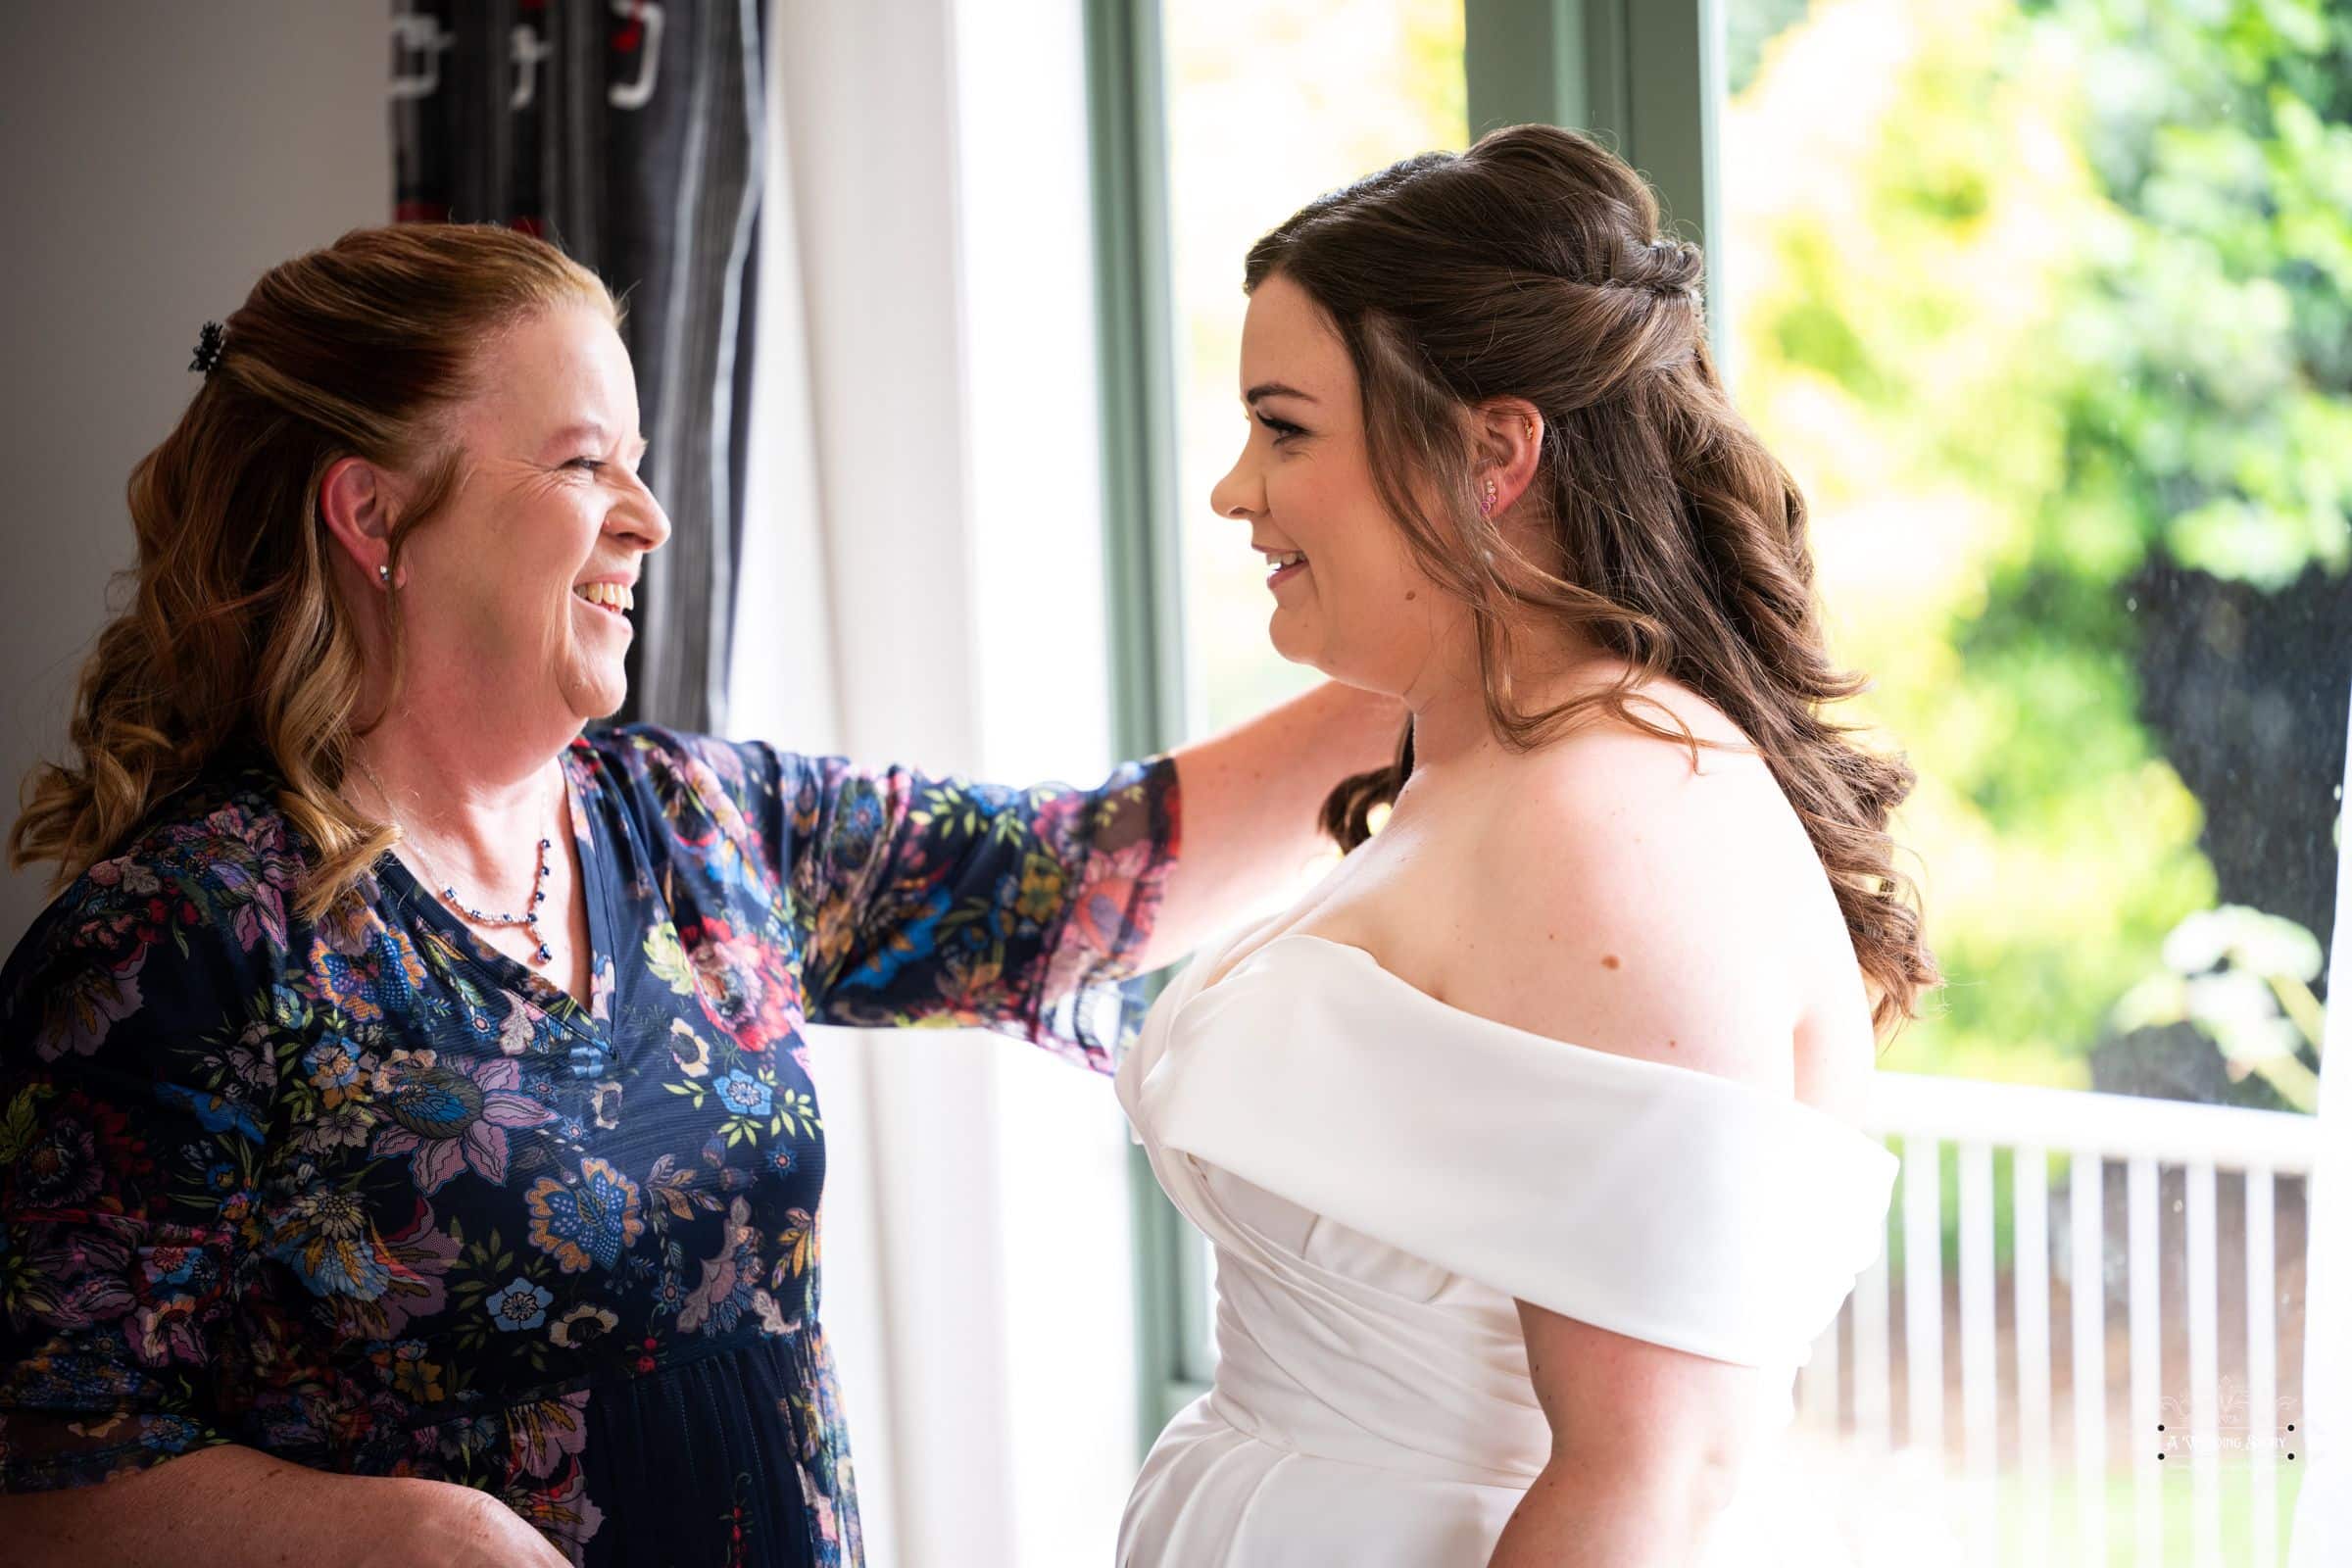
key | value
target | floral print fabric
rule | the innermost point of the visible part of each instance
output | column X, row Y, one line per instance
column 368, row 1195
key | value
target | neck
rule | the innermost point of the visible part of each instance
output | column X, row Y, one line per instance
column 1450, row 724
column 1451, row 730
column 475, row 806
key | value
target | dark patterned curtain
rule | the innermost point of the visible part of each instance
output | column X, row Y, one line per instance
column 629, row 133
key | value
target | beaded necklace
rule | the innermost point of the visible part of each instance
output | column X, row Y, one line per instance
column 529, row 918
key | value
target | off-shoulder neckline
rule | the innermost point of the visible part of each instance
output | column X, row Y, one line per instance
column 1630, row 1066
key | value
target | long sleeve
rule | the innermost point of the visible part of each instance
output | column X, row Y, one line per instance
column 131, row 1117
column 922, row 900
column 939, row 901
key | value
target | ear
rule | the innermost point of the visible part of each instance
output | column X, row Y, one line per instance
column 1508, row 434
column 356, row 503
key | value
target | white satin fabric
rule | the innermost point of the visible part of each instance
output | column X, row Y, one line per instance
column 1380, row 1174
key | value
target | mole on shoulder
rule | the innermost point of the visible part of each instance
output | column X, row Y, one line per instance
column 1609, row 960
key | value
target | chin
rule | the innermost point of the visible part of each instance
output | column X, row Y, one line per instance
column 1332, row 665
column 1315, row 656
column 597, row 698
column 1287, row 641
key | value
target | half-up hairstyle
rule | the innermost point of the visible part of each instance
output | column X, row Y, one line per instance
column 234, row 632
column 1532, row 266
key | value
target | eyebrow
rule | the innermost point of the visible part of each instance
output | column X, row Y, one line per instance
column 1273, row 389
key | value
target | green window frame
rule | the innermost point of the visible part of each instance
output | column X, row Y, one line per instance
column 1645, row 74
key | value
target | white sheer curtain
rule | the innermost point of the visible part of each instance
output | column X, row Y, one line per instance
column 923, row 583
column 2321, row 1537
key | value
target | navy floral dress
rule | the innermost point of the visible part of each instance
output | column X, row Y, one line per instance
column 368, row 1195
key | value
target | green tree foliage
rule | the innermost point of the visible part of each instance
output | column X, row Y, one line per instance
column 2212, row 418
column 2045, row 304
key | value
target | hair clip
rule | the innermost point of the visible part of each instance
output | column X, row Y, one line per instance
column 208, row 347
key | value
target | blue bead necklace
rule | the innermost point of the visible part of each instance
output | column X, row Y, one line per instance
column 528, row 919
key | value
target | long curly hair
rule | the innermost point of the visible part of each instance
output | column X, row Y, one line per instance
column 234, row 631
column 1532, row 266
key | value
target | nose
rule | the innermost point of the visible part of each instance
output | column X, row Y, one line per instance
column 639, row 517
column 1240, row 493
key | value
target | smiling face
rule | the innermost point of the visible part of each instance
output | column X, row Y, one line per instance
column 517, row 596
column 1349, row 597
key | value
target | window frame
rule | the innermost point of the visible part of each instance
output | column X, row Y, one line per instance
column 1136, row 351
column 1646, row 77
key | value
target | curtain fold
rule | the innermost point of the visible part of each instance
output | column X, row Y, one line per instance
column 630, row 133
column 2322, row 1534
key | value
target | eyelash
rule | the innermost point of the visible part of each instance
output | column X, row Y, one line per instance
column 1282, row 428
column 589, row 465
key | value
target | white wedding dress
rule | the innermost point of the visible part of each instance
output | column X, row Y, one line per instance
column 1381, row 1173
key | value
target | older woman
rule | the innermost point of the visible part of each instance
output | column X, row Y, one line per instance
column 405, row 1129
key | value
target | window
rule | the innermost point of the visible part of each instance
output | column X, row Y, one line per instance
column 1268, row 108
column 2033, row 301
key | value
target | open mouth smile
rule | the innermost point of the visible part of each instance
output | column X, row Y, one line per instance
column 615, row 599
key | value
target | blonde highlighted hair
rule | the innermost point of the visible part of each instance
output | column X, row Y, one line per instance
column 234, row 632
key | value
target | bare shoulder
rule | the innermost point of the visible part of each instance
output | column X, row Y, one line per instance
column 1630, row 901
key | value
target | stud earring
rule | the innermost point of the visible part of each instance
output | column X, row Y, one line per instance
column 383, row 574
column 1486, row 502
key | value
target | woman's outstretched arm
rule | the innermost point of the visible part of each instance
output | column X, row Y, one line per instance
column 921, row 899
column 1251, row 797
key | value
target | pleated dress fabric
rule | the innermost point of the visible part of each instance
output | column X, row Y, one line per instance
column 1382, row 1175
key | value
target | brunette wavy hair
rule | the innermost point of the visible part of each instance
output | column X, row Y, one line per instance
column 1533, row 267
column 234, row 629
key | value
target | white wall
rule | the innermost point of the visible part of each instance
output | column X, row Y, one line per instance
column 153, row 160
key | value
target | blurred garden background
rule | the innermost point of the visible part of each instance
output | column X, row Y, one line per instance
column 2049, row 307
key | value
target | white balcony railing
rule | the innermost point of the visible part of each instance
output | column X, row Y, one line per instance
column 1998, row 1485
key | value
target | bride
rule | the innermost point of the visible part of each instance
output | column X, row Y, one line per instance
column 1527, row 1141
